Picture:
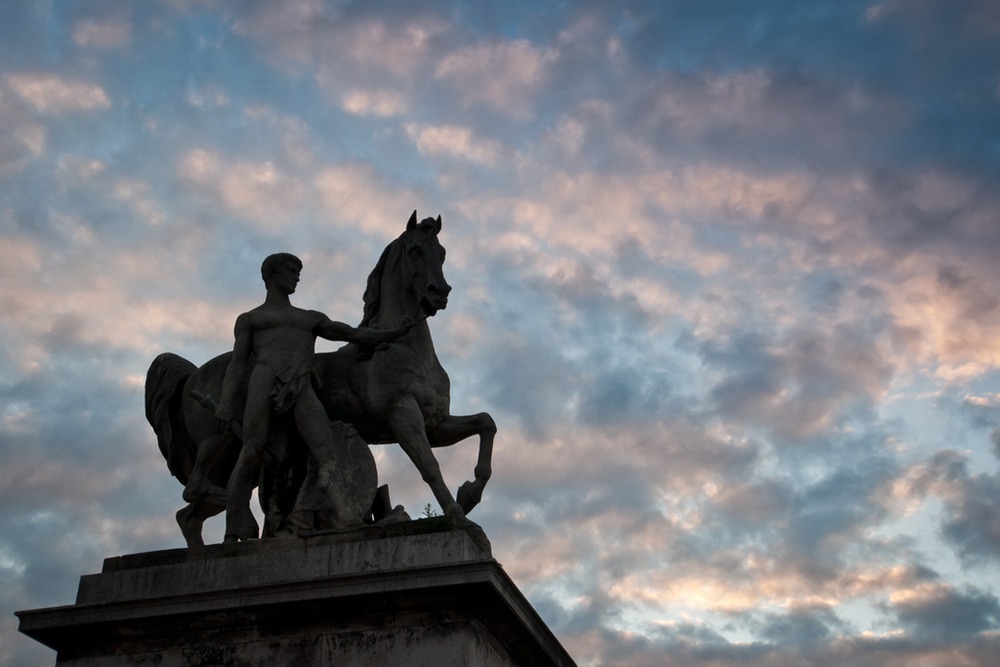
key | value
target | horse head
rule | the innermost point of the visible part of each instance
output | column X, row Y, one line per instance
column 408, row 280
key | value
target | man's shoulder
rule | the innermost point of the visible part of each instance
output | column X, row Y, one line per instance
column 250, row 315
column 314, row 314
column 249, row 319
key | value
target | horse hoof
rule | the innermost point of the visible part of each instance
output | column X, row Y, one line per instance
column 469, row 495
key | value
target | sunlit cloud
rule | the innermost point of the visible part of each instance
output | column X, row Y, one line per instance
column 208, row 97
column 102, row 34
column 503, row 76
column 259, row 192
column 51, row 93
column 355, row 197
column 454, row 141
column 397, row 49
column 381, row 103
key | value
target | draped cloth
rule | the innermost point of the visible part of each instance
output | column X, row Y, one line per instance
column 291, row 382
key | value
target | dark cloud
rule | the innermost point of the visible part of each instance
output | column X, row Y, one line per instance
column 942, row 612
column 801, row 627
column 944, row 210
column 971, row 503
column 756, row 502
column 797, row 386
column 623, row 395
column 973, row 519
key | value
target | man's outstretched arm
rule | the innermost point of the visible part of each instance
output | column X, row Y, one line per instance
column 362, row 336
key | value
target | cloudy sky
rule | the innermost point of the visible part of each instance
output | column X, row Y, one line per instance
column 725, row 275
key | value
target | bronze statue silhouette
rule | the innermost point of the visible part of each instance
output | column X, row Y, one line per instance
column 400, row 394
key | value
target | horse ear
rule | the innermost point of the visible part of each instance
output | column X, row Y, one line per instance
column 437, row 224
column 412, row 222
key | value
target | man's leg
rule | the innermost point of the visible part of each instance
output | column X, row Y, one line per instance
column 240, row 522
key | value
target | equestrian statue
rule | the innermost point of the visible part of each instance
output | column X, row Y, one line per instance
column 276, row 414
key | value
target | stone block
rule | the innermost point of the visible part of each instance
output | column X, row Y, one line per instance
column 407, row 598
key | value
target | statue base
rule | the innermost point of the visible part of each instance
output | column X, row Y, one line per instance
column 409, row 597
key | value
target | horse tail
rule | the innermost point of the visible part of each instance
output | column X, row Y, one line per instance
column 165, row 382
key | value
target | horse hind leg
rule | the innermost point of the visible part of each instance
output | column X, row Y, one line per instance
column 192, row 517
column 205, row 498
column 216, row 454
column 456, row 428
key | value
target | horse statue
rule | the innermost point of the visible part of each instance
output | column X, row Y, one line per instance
column 397, row 393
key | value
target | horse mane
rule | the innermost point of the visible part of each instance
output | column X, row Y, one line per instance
column 373, row 290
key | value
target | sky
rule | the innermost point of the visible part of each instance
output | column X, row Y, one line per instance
column 724, row 275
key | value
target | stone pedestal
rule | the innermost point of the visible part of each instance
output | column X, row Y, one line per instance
column 409, row 599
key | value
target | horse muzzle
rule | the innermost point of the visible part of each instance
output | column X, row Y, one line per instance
column 435, row 298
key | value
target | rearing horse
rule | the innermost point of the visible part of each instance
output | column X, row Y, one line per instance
column 397, row 393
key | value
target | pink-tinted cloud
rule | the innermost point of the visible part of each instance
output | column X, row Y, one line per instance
column 52, row 94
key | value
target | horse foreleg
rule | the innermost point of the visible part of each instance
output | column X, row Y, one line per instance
column 455, row 428
column 408, row 427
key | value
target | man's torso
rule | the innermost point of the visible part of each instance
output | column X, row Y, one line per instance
column 282, row 337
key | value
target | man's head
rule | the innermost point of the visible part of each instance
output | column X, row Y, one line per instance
column 277, row 262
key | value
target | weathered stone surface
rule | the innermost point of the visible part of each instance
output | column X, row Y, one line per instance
column 408, row 598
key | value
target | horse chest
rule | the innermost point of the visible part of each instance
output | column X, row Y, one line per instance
column 397, row 374
column 428, row 384
column 433, row 394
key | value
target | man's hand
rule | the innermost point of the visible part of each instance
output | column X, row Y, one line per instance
column 224, row 416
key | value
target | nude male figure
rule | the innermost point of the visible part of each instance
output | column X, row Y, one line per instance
column 283, row 379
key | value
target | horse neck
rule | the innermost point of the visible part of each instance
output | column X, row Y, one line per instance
column 397, row 303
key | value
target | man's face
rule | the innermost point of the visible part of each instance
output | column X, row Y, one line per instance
column 286, row 277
